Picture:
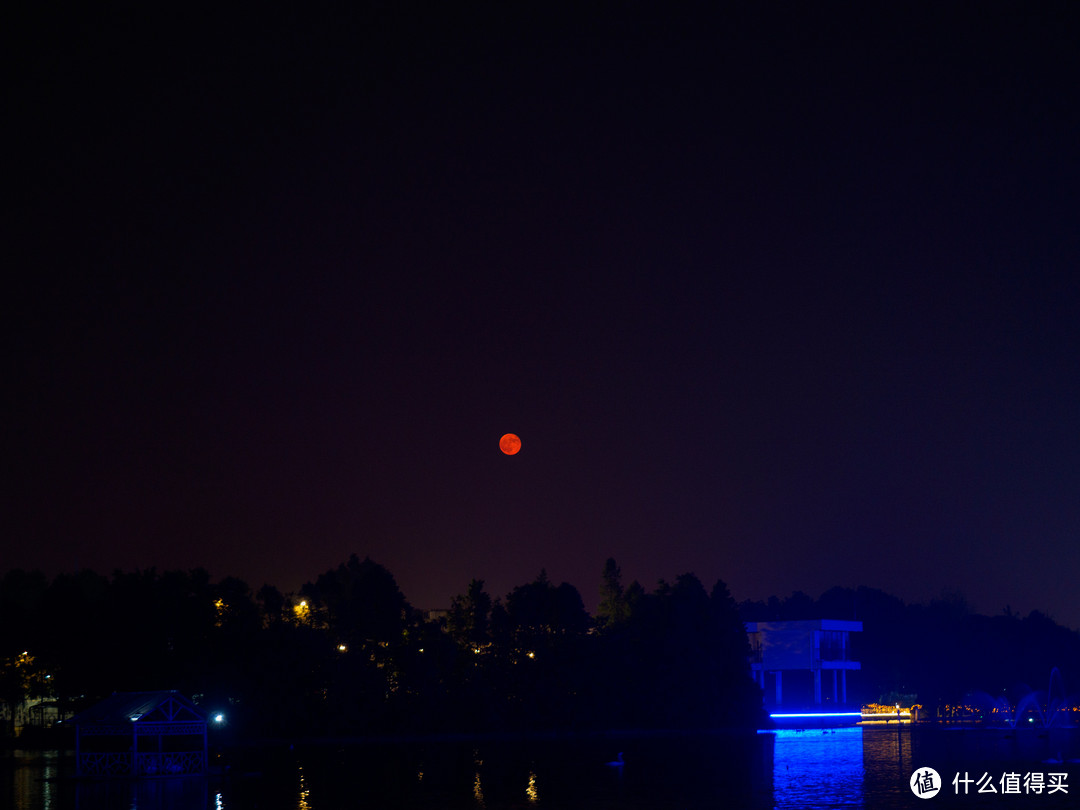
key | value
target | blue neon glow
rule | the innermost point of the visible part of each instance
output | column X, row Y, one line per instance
column 815, row 770
column 820, row 714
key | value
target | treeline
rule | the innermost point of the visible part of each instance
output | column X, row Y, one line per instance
column 940, row 653
column 348, row 655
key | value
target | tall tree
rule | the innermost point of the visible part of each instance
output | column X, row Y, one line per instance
column 613, row 608
column 362, row 601
column 470, row 613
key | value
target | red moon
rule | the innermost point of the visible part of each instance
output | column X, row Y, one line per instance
column 510, row 444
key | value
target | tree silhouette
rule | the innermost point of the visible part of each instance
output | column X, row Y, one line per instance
column 469, row 618
column 613, row 607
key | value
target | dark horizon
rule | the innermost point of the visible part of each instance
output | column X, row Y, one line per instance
column 843, row 602
column 345, row 656
column 782, row 297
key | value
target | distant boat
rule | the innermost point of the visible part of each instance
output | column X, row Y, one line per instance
column 616, row 763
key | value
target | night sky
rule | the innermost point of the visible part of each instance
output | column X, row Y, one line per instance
column 783, row 294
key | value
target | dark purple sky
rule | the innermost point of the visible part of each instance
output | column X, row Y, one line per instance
column 787, row 298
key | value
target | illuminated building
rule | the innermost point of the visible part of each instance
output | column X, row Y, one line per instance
column 788, row 660
column 140, row 734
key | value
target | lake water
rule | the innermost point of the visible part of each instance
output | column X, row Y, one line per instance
column 848, row 767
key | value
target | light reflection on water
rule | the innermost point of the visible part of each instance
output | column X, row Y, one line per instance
column 49, row 773
column 531, row 793
column 302, row 800
column 478, row 790
column 818, row 767
column 33, row 785
column 843, row 767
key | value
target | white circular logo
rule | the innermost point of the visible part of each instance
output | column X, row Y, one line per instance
column 925, row 783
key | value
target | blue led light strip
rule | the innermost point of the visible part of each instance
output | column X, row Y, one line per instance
column 821, row 714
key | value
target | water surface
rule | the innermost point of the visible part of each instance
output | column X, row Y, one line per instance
column 813, row 768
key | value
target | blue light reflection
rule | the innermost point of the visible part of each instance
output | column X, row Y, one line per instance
column 816, row 768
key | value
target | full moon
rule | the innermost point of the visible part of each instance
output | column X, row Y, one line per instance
column 509, row 444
